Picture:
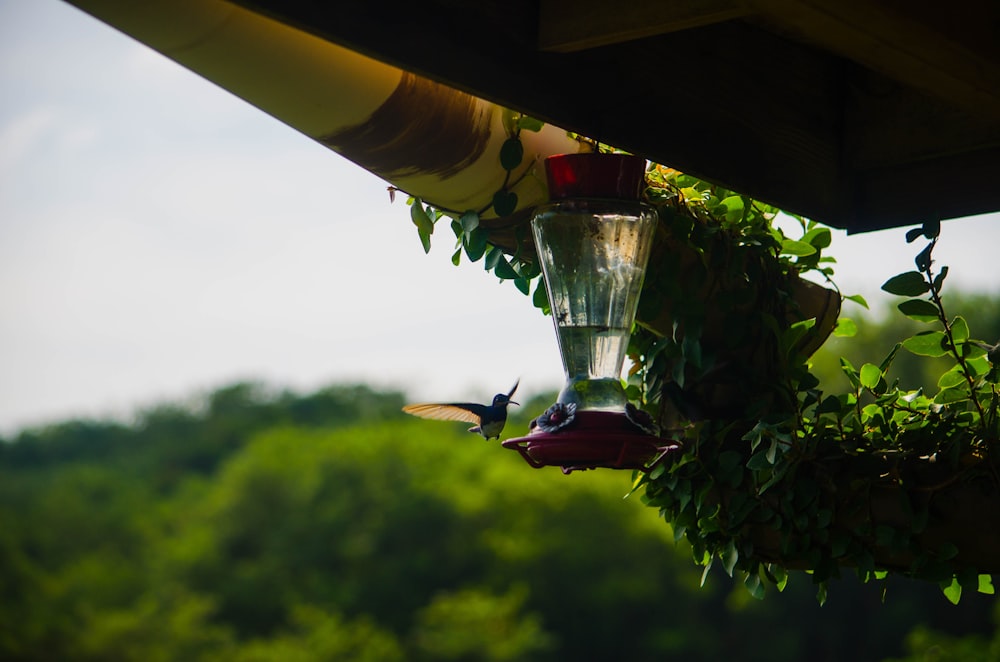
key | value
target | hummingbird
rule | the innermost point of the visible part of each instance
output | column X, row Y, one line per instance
column 489, row 419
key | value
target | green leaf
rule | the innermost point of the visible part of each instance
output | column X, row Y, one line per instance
column 493, row 257
column 797, row 248
column 469, row 221
column 846, row 328
column 476, row 243
column 932, row 228
column 908, row 284
column 456, row 257
column 923, row 259
column 759, row 460
column 920, row 310
column 729, row 558
column 780, row 576
column 952, row 395
column 504, row 202
column 986, row 585
column 952, row 378
column 420, row 217
column 953, row 591
column 870, row 375
column 887, row 361
column 511, row 154
column 540, row 299
column 927, row 343
column 503, row 270
column 959, row 330
column 704, row 574
column 850, row 371
column 754, row 585
column 818, row 237
column 858, row 299
column 939, row 279
column 829, row 405
column 530, row 124
column 523, row 284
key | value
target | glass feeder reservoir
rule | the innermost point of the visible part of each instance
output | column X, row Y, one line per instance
column 593, row 242
column 593, row 255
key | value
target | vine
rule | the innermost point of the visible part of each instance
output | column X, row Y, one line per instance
column 472, row 238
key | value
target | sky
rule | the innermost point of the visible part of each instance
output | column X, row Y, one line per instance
column 160, row 238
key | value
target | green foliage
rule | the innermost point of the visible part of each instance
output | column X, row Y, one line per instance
column 316, row 536
column 476, row 624
column 759, row 483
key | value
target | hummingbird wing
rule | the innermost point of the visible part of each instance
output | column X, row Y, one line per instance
column 468, row 412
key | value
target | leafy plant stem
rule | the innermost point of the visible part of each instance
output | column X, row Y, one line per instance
column 935, row 290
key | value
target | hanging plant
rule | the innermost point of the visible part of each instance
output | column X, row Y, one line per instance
column 774, row 471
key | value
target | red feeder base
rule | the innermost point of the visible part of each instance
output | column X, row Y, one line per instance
column 595, row 439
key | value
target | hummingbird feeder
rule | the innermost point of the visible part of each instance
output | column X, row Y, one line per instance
column 593, row 242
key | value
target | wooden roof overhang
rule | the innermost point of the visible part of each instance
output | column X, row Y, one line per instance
column 860, row 114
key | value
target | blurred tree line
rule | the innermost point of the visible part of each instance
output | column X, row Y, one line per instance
column 261, row 525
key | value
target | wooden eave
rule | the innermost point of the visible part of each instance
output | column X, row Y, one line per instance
column 862, row 115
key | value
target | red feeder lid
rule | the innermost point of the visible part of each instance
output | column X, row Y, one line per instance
column 614, row 176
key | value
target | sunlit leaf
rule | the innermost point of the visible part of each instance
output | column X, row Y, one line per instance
column 797, row 248
column 953, row 591
column 420, row 217
column 846, row 328
column 986, row 585
column 818, row 237
column 927, row 343
column 530, row 123
column 952, row 378
column 858, row 299
column 540, row 299
column 870, row 375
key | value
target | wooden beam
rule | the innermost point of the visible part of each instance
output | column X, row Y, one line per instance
column 566, row 26
column 906, row 42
